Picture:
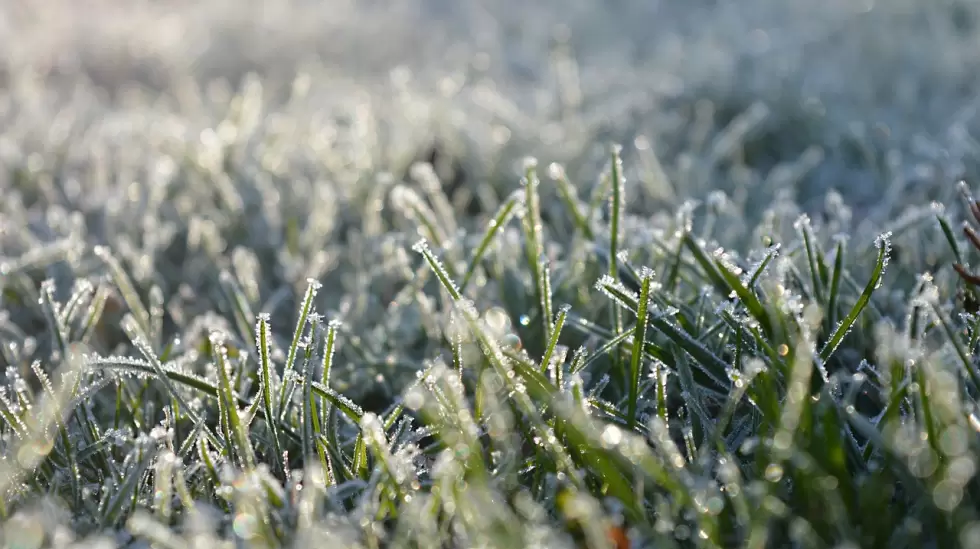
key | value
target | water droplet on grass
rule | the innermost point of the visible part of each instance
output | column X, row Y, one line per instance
column 774, row 472
column 611, row 436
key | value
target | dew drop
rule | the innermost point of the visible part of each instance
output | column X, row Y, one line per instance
column 611, row 436
column 774, row 472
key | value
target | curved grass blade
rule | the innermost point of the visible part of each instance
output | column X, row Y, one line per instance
column 884, row 248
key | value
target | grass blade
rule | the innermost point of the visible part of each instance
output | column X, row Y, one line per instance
column 499, row 221
column 422, row 247
column 884, row 247
column 268, row 383
column 305, row 309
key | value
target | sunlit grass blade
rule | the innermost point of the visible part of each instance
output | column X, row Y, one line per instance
column 771, row 253
column 546, row 360
column 418, row 211
column 547, row 308
column 422, row 247
column 533, row 244
column 237, row 441
column 268, row 382
column 305, row 309
column 81, row 295
column 156, row 312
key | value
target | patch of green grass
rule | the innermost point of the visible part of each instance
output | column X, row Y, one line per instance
column 260, row 321
column 717, row 397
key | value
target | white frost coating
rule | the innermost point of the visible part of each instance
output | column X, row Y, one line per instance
column 802, row 222
column 604, row 282
column 883, row 242
column 613, row 289
column 404, row 199
column 314, row 285
column 964, row 188
column 884, row 239
column 556, row 171
column 421, row 247
column 717, row 200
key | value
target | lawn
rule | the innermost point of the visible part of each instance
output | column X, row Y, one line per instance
column 458, row 274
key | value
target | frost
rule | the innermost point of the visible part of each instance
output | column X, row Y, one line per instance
column 556, row 171
column 884, row 239
column 802, row 223
column 421, row 246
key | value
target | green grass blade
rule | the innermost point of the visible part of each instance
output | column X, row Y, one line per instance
column 131, row 326
column 833, row 296
column 268, row 383
column 813, row 259
column 729, row 283
column 306, row 307
column 950, row 239
column 884, row 247
column 639, row 339
column 236, row 436
column 559, row 324
column 422, row 247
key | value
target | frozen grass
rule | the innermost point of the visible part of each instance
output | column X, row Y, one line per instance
column 253, row 300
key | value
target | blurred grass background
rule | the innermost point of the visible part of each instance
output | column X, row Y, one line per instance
column 886, row 88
